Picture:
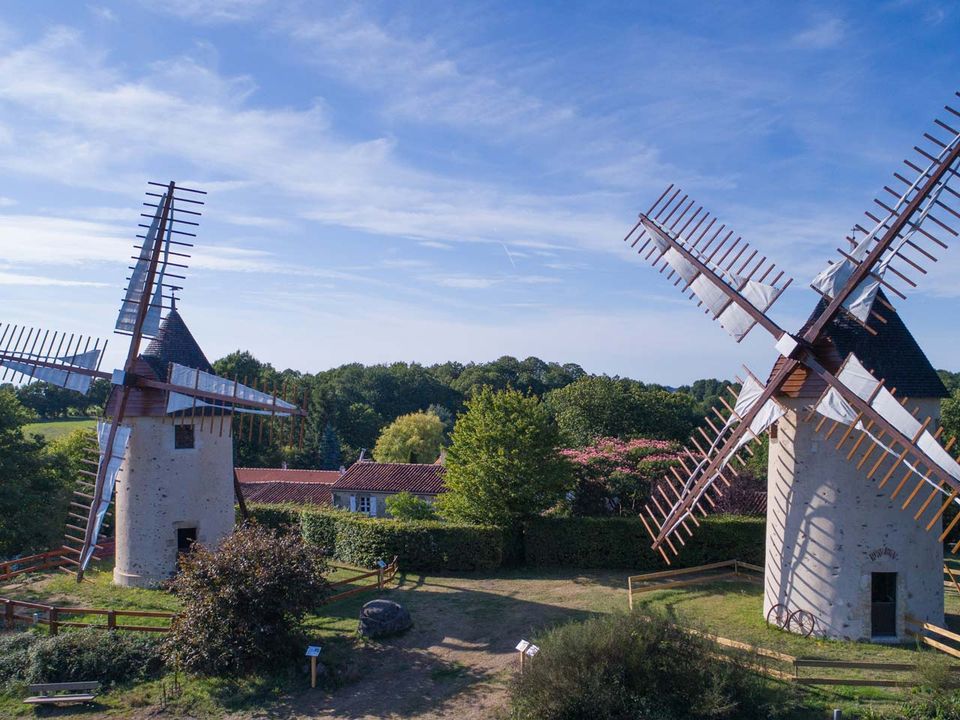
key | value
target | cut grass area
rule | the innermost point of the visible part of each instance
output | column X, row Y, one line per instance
column 55, row 429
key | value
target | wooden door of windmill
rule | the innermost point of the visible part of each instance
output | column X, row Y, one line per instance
column 883, row 604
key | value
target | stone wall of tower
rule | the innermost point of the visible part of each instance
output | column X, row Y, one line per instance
column 829, row 529
column 161, row 489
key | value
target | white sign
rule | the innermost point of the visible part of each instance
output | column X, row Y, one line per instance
column 313, row 651
column 531, row 651
column 522, row 645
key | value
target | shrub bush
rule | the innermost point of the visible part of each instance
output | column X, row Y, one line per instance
column 244, row 603
column 630, row 666
column 420, row 545
column 623, row 542
column 78, row 655
column 276, row 517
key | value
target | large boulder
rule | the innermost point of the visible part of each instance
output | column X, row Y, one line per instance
column 380, row 618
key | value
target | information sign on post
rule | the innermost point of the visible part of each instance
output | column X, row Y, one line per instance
column 313, row 651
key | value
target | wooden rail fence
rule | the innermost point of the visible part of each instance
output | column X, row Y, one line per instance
column 922, row 631
column 667, row 579
column 56, row 616
column 383, row 575
column 53, row 616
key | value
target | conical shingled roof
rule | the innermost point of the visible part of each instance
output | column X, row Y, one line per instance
column 174, row 343
column 892, row 355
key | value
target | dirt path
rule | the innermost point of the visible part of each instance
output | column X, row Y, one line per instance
column 458, row 659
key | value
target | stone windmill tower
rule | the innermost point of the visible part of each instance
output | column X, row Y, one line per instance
column 166, row 447
column 861, row 493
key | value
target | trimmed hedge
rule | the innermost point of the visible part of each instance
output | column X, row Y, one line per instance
column 588, row 542
column 583, row 542
column 420, row 545
column 319, row 527
column 276, row 517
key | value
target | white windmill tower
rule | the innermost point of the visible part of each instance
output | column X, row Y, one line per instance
column 841, row 555
column 165, row 449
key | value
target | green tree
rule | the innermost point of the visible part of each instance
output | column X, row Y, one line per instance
column 407, row 506
column 504, row 463
column 600, row 406
column 331, row 456
column 35, row 485
column 950, row 418
column 414, row 438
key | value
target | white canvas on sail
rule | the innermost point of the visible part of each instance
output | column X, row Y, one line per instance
column 114, row 460
column 137, row 287
column 187, row 377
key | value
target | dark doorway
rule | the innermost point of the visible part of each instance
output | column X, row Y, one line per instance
column 185, row 538
column 883, row 604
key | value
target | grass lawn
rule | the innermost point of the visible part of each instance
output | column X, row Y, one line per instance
column 54, row 429
column 458, row 659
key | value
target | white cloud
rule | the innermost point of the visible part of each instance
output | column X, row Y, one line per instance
column 7, row 278
column 7, row 202
column 827, row 33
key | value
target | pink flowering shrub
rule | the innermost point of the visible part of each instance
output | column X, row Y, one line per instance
column 615, row 476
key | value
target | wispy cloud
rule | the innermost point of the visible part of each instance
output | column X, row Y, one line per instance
column 826, row 33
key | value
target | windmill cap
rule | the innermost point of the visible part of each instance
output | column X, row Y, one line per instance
column 174, row 343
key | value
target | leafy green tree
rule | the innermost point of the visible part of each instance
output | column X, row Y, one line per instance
column 244, row 603
column 414, row 438
column 35, row 485
column 600, row 406
column 446, row 417
column 504, row 463
column 407, row 506
column 950, row 418
column 330, row 455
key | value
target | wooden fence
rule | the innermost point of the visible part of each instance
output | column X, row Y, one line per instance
column 668, row 579
column 55, row 616
column 941, row 636
column 383, row 575
column 10, row 569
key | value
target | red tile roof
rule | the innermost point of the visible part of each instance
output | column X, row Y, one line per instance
column 286, row 491
column 261, row 475
column 393, row 478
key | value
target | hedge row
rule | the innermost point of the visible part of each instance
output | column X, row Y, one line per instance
column 624, row 543
column 565, row 542
column 361, row 540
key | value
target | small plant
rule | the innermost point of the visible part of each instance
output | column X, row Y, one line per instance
column 244, row 603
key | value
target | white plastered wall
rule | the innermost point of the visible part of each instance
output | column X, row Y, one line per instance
column 161, row 489
column 829, row 528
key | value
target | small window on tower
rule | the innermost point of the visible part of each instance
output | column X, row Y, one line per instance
column 183, row 437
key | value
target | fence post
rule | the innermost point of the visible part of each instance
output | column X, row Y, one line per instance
column 379, row 578
column 8, row 614
column 111, row 620
column 54, row 614
column 630, row 591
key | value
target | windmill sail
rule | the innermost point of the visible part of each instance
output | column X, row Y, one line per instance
column 912, row 447
column 891, row 247
column 137, row 285
column 103, row 494
column 706, row 461
column 236, row 396
column 724, row 276
column 30, row 354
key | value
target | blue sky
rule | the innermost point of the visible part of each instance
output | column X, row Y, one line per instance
column 433, row 181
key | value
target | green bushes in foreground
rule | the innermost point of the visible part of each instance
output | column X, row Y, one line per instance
column 623, row 542
column 78, row 655
column 631, row 666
